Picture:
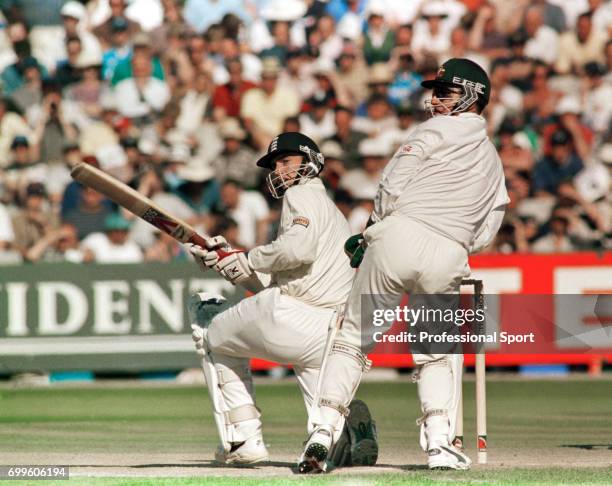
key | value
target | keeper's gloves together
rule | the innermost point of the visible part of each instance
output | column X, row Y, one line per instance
column 355, row 248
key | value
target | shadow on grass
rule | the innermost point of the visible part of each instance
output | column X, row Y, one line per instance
column 589, row 447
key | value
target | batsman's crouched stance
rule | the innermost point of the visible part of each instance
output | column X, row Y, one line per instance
column 301, row 280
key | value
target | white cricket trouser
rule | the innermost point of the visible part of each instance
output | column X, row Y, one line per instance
column 402, row 256
column 269, row 326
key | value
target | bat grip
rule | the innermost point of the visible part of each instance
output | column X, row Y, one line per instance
column 196, row 239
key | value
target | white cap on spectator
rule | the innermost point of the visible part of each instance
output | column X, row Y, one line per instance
column 435, row 9
column 180, row 152
column 284, row 10
column 323, row 66
column 111, row 156
column 604, row 154
column 380, row 72
column 230, row 128
column 373, row 147
column 375, row 7
column 593, row 182
column 364, row 191
column 569, row 104
column 195, row 171
column 73, row 9
column 88, row 59
column 332, row 150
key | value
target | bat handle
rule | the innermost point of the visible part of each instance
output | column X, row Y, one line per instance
column 196, row 239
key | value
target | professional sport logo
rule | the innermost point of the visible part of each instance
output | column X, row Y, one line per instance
column 440, row 72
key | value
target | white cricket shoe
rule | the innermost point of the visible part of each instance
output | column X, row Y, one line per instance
column 447, row 457
column 251, row 451
column 314, row 457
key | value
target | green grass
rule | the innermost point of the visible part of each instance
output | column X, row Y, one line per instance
column 549, row 419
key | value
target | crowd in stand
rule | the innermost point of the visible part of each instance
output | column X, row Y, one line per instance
column 178, row 98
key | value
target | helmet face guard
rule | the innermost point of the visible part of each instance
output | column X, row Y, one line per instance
column 312, row 164
column 467, row 98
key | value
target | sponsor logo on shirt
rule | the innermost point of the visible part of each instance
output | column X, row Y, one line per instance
column 302, row 221
column 404, row 149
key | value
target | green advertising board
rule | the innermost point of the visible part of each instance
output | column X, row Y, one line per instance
column 100, row 317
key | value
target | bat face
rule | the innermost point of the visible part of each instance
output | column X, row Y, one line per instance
column 169, row 226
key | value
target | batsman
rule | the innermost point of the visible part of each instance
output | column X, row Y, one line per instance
column 441, row 197
column 301, row 282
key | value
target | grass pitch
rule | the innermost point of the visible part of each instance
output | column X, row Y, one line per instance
column 540, row 432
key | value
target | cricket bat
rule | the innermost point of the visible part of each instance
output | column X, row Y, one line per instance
column 136, row 203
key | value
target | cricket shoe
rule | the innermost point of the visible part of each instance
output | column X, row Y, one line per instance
column 250, row 451
column 314, row 457
column 444, row 457
column 357, row 444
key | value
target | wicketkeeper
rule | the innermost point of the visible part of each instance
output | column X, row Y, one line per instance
column 302, row 280
column 441, row 197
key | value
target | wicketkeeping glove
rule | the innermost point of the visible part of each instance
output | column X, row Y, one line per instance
column 355, row 248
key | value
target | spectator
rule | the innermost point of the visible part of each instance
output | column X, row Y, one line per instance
column 112, row 245
column 485, row 37
column 30, row 92
column 362, row 183
column 576, row 48
column 560, row 165
column 90, row 213
column 378, row 39
column 318, row 122
column 201, row 14
column 558, row 239
column 331, row 44
column 432, row 33
column 379, row 117
column 8, row 255
column 74, row 21
column 35, row 220
column 542, row 41
column 352, row 75
column 119, row 47
column 296, row 76
column 196, row 104
column 399, row 135
column 265, row 108
column 164, row 249
column 59, row 245
column 407, row 81
column 346, row 136
column 249, row 209
column 88, row 91
column 12, row 77
column 117, row 22
column 140, row 52
column 597, row 95
column 198, row 189
column 227, row 98
column 53, row 127
column 22, row 169
column 142, row 96
column 67, row 70
column 11, row 126
column 236, row 160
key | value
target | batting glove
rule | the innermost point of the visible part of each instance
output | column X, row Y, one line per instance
column 234, row 267
column 197, row 335
column 355, row 248
column 207, row 257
